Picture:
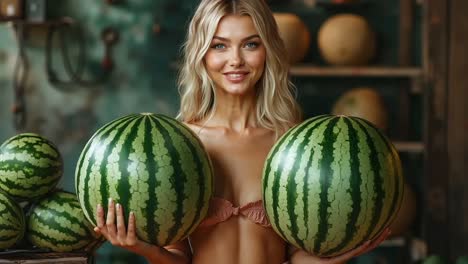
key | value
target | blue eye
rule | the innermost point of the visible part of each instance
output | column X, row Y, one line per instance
column 252, row 45
column 218, row 46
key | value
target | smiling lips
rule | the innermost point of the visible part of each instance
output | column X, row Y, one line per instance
column 236, row 76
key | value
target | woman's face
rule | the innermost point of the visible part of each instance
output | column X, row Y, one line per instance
column 235, row 60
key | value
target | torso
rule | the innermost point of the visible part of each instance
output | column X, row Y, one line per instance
column 238, row 163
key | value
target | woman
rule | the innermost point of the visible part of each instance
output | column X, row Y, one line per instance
column 236, row 95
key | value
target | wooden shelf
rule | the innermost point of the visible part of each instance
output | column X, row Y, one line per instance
column 330, row 71
column 409, row 146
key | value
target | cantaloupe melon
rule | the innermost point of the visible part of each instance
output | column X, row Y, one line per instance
column 346, row 40
column 363, row 102
column 295, row 35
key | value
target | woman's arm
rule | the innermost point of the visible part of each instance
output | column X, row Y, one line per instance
column 302, row 257
column 125, row 237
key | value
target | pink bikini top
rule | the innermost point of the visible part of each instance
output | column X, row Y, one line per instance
column 221, row 210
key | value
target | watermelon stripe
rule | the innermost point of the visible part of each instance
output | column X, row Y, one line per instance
column 81, row 159
column 33, row 156
column 152, row 170
column 398, row 183
column 196, row 153
column 122, row 186
column 267, row 169
column 7, row 228
column 298, row 236
column 93, row 159
column 57, row 224
column 292, row 196
column 283, row 171
column 378, row 180
column 305, row 191
column 396, row 170
column 35, row 150
column 84, row 164
column 293, row 208
column 13, row 234
column 11, row 208
column 113, row 170
column 13, row 170
column 275, row 193
column 354, row 189
column 179, row 178
column 55, row 208
column 205, row 187
column 12, row 225
column 51, row 241
column 325, row 172
column 380, row 175
column 314, row 190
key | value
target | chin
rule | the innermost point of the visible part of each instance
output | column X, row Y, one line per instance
column 236, row 89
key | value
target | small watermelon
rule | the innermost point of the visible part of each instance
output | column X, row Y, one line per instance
column 332, row 183
column 434, row 259
column 462, row 260
column 58, row 223
column 12, row 224
column 152, row 165
column 30, row 166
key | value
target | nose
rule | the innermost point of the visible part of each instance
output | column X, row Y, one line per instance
column 236, row 58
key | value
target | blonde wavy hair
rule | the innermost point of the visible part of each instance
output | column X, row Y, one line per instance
column 276, row 108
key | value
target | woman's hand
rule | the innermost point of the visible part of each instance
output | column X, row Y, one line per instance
column 302, row 257
column 114, row 230
column 116, row 233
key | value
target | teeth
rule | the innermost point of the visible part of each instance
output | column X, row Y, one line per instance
column 235, row 76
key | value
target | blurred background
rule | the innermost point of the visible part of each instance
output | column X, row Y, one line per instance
column 69, row 67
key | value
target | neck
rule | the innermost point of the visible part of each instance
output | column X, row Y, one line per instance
column 234, row 112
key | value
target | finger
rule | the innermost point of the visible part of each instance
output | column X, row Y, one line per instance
column 121, row 232
column 110, row 220
column 102, row 229
column 100, row 216
column 131, row 232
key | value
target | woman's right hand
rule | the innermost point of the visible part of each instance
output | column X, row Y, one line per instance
column 114, row 230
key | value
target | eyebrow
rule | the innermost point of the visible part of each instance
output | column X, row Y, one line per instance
column 244, row 39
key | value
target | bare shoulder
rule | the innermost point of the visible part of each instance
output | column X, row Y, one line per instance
column 192, row 127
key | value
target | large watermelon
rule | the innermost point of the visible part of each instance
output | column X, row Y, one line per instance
column 58, row 223
column 30, row 166
column 12, row 223
column 332, row 183
column 152, row 165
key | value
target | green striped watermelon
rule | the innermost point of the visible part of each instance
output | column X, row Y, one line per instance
column 332, row 183
column 30, row 166
column 152, row 165
column 58, row 223
column 12, row 224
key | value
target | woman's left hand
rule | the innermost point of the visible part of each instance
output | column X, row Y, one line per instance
column 302, row 257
